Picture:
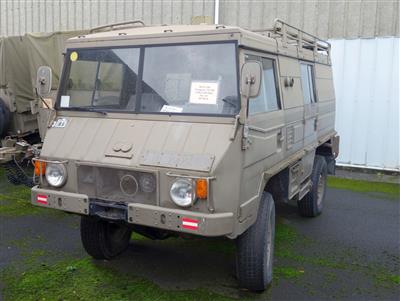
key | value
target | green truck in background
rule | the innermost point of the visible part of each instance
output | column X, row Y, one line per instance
column 24, row 115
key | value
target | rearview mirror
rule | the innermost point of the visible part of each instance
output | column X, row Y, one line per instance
column 250, row 81
column 43, row 81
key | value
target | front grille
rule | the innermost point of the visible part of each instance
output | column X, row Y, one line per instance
column 117, row 185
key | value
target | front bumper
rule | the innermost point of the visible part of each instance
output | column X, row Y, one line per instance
column 214, row 224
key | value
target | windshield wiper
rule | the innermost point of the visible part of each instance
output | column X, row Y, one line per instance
column 90, row 109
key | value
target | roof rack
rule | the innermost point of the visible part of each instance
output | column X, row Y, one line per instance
column 291, row 35
column 125, row 24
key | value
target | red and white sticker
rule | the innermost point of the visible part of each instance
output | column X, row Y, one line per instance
column 191, row 224
column 41, row 199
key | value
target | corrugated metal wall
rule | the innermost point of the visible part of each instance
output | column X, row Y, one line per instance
column 327, row 19
column 18, row 17
column 366, row 77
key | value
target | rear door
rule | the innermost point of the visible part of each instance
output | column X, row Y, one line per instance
column 310, row 103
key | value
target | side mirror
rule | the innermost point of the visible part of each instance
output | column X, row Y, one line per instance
column 43, row 81
column 250, row 81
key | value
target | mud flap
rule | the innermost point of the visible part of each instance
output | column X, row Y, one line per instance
column 331, row 164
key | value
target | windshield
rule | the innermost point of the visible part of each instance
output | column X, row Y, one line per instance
column 175, row 79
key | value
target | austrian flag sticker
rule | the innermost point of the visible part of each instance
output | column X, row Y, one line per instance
column 191, row 224
column 41, row 199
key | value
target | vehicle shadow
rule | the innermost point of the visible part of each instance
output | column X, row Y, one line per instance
column 184, row 264
column 189, row 263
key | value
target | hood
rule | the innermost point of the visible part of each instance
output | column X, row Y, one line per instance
column 135, row 143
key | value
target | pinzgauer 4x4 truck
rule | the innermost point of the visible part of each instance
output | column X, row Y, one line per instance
column 189, row 129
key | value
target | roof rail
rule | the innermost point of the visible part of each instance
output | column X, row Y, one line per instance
column 125, row 24
column 296, row 36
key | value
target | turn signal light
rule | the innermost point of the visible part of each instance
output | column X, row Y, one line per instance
column 201, row 188
column 40, row 168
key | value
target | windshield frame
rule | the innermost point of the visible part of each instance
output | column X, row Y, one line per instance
column 67, row 66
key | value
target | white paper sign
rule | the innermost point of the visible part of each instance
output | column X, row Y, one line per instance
column 204, row 92
column 64, row 101
column 171, row 109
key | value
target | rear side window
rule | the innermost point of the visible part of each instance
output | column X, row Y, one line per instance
column 268, row 99
column 307, row 83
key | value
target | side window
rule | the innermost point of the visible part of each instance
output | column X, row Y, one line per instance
column 307, row 83
column 268, row 99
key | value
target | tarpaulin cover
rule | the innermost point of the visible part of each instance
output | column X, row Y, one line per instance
column 21, row 56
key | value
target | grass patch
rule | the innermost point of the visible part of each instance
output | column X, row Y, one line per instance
column 16, row 200
column 287, row 272
column 389, row 189
column 387, row 279
column 85, row 280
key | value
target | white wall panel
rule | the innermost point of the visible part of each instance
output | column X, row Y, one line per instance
column 366, row 75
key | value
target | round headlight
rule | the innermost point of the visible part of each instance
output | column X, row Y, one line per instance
column 147, row 183
column 56, row 174
column 183, row 192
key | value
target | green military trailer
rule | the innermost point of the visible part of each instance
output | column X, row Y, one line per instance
column 198, row 129
column 23, row 115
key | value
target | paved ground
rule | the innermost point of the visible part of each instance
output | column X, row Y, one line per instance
column 351, row 251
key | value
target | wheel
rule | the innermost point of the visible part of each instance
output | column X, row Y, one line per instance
column 4, row 118
column 102, row 239
column 312, row 203
column 255, row 248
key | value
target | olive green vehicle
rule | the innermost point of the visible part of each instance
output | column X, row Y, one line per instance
column 198, row 129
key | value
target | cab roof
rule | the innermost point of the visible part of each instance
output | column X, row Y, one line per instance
column 136, row 33
column 160, row 30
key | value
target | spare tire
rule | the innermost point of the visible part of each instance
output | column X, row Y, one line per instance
column 4, row 118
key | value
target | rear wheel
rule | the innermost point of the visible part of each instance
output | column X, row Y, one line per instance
column 4, row 118
column 255, row 248
column 102, row 239
column 312, row 203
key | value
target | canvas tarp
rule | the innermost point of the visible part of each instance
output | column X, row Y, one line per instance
column 21, row 56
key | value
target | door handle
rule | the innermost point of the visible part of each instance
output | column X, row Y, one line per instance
column 280, row 136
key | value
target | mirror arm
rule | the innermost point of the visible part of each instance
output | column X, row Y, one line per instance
column 41, row 98
column 244, row 99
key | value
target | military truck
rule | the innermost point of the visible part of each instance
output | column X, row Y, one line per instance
column 23, row 115
column 199, row 129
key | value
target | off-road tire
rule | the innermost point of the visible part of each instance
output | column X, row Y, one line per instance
column 102, row 239
column 4, row 118
column 312, row 203
column 255, row 248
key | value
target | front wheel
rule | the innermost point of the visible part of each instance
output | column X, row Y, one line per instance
column 102, row 239
column 255, row 248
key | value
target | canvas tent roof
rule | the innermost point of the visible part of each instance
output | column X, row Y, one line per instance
column 20, row 58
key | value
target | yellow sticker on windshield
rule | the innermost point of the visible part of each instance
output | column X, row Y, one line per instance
column 73, row 56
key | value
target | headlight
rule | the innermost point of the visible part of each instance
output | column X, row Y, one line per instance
column 147, row 183
column 56, row 174
column 183, row 192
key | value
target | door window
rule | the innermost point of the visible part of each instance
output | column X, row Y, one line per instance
column 268, row 99
column 307, row 83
